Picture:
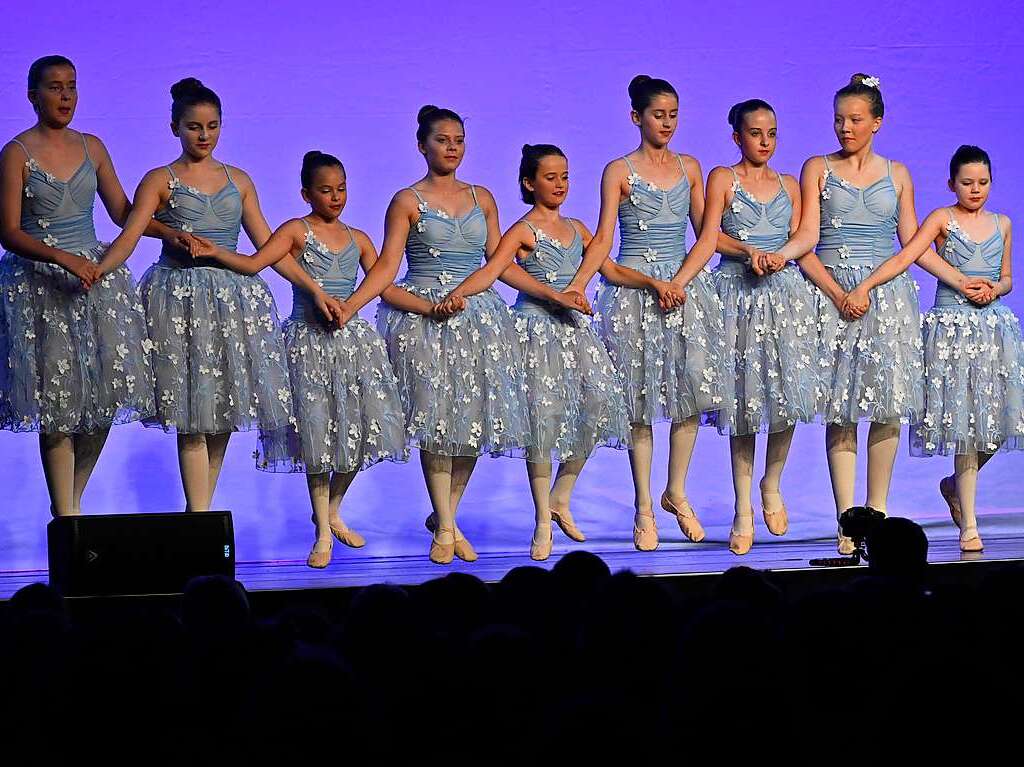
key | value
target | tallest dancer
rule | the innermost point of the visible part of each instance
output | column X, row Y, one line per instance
column 853, row 203
column 669, row 356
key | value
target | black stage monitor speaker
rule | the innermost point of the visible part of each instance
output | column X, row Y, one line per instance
column 106, row 554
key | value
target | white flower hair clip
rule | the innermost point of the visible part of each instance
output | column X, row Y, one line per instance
column 871, row 82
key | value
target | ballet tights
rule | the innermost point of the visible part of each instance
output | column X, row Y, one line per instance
column 325, row 493
column 446, row 478
column 965, row 470
column 200, row 458
column 68, row 461
column 547, row 495
column 682, row 437
column 741, row 449
column 841, row 449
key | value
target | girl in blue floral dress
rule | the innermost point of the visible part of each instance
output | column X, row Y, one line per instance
column 348, row 415
column 973, row 354
column 74, row 356
column 219, row 355
column 458, row 365
column 574, row 393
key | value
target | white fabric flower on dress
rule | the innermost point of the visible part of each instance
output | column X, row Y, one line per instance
column 441, row 214
column 632, row 178
column 43, row 223
column 434, row 252
column 836, row 222
column 737, row 206
column 743, row 234
column 444, row 278
column 50, row 241
column 186, row 226
column 735, row 185
column 642, row 225
column 422, row 207
column 552, row 276
column 28, row 192
column 651, row 255
column 826, row 193
column 844, row 251
column 31, row 164
column 420, row 227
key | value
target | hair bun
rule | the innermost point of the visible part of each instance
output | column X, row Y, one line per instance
column 732, row 114
column 185, row 86
column 636, row 82
column 425, row 112
column 311, row 155
column 527, row 148
column 862, row 79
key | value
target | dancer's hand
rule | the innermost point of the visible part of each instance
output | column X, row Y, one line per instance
column 182, row 241
column 855, row 304
column 670, row 295
column 340, row 311
column 330, row 307
column 84, row 269
column 980, row 291
column 772, row 262
column 200, row 247
column 448, row 307
column 573, row 298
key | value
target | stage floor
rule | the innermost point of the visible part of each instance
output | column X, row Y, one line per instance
column 789, row 554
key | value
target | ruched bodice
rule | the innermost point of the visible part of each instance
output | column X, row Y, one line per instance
column 443, row 250
column 974, row 259
column 652, row 221
column 552, row 263
column 59, row 213
column 857, row 224
column 764, row 225
column 217, row 217
column 334, row 270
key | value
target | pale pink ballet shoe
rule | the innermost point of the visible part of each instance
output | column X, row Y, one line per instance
column 685, row 517
column 349, row 537
column 970, row 540
column 541, row 551
column 568, row 526
column 318, row 560
column 645, row 538
column 442, row 553
column 740, row 543
column 463, row 548
column 776, row 518
column 947, row 488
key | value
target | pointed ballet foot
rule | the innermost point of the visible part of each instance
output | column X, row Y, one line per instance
column 687, row 520
column 349, row 537
column 567, row 525
column 541, row 551
column 970, row 540
column 645, row 538
column 775, row 516
column 442, row 553
column 318, row 560
column 947, row 489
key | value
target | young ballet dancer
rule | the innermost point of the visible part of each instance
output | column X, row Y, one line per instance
column 458, row 365
column 668, row 355
column 74, row 357
column 974, row 382
column 574, row 393
column 771, row 340
column 348, row 415
column 218, row 353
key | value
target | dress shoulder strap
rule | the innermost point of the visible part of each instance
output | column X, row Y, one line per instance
column 532, row 227
column 827, row 166
column 305, row 223
column 171, row 172
column 351, row 237
column 629, row 165
column 888, row 167
column 24, row 148
column 472, row 191
column 227, row 172
column 416, row 192
column 85, row 146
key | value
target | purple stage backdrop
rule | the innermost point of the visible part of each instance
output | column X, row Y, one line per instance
column 348, row 79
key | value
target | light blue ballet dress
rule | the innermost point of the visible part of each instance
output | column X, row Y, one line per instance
column 974, row 379
column 71, row 360
column 348, row 414
column 575, row 395
column 872, row 368
column 460, row 379
column 218, row 354
column 671, row 363
column 771, row 333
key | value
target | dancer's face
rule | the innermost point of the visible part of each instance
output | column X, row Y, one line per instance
column 854, row 124
column 328, row 193
column 550, row 184
column 56, row 97
column 757, row 136
column 659, row 120
column 972, row 185
column 445, row 147
column 199, row 130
